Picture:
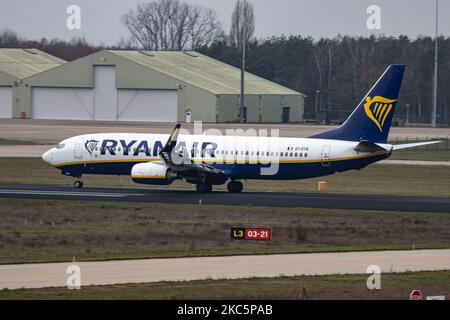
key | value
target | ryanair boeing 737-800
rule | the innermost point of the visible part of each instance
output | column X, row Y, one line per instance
column 207, row 160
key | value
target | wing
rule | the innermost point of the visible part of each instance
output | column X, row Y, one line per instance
column 177, row 160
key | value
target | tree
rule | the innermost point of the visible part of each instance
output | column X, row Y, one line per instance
column 171, row 25
column 8, row 38
column 242, row 23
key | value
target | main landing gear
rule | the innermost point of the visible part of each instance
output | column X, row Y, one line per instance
column 203, row 187
column 78, row 184
column 235, row 186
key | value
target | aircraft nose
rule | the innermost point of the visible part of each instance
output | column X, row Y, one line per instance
column 48, row 156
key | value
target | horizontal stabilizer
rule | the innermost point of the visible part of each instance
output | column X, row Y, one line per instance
column 412, row 145
column 368, row 146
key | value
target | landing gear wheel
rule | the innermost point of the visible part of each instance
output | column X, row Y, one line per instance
column 235, row 186
column 78, row 184
column 204, row 187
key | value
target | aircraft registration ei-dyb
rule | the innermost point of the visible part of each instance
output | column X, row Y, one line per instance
column 207, row 160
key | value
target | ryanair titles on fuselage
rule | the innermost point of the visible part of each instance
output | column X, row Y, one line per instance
column 135, row 147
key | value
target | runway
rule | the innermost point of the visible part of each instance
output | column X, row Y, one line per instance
column 271, row 199
column 231, row 267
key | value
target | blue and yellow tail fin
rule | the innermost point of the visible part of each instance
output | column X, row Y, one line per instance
column 372, row 118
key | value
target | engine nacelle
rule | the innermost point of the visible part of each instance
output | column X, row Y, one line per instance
column 152, row 173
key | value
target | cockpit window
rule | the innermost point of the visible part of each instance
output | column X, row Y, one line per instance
column 60, row 146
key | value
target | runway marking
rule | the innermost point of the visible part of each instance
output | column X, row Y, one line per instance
column 70, row 193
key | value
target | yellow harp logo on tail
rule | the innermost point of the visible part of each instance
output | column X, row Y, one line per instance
column 377, row 109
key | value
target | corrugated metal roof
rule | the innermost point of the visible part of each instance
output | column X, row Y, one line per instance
column 202, row 71
column 22, row 63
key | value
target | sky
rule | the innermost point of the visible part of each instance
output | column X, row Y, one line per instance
column 101, row 19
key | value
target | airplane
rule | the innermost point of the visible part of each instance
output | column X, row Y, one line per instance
column 207, row 160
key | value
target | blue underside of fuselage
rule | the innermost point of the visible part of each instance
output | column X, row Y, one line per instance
column 285, row 171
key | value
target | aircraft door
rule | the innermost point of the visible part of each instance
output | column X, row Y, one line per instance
column 79, row 149
column 325, row 156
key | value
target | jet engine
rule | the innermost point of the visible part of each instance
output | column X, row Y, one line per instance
column 152, row 173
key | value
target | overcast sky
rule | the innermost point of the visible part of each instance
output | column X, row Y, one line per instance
column 101, row 19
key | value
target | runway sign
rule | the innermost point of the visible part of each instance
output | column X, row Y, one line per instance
column 415, row 295
column 260, row 234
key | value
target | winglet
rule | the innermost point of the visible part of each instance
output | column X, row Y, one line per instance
column 165, row 152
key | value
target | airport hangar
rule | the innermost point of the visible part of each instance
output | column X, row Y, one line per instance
column 15, row 66
column 153, row 86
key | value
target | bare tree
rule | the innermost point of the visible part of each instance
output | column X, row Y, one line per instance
column 171, row 25
column 8, row 38
column 242, row 23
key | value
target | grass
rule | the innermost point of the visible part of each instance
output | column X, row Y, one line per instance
column 393, row 286
column 375, row 179
column 426, row 155
column 54, row 230
column 15, row 142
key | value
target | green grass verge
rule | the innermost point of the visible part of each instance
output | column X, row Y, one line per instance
column 15, row 142
column 56, row 230
column 393, row 286
column 425, row 155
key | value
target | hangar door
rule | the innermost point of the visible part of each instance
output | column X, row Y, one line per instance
column 104, row 101
column 147, row 105
column 62, row 103
column 5, row 102
column 98, row 103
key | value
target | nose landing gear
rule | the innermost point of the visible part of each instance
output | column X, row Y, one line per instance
column 78, row 184
column 235, row 186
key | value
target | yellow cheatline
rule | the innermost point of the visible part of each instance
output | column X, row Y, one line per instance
column 200, row 160
column 105, row 161
column 148, row 177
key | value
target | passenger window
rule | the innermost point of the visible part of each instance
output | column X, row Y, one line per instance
column 301, row 154
column 306, row 154
column 291, row 154
column 296, row 154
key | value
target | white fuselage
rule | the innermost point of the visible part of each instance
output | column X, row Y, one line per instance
column 237, row 156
